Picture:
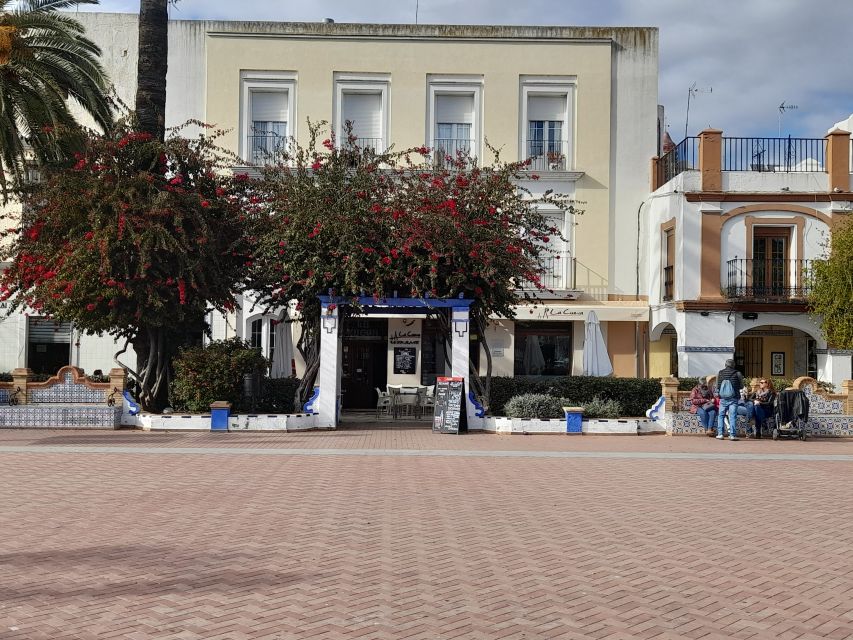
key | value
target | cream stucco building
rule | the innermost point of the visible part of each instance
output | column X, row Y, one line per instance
column 581, row 101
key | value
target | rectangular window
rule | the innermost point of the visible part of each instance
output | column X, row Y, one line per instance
column 362, row 100
column 543, row 349
column 454, row 128
column 364, row 113
column 546, row 118
column 556, row 258
column 268, row 111
column 669, row 264
column 269, row 125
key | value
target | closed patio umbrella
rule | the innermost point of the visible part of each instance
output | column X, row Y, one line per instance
column 282, row 356
column 596, row 362
column 534, row 360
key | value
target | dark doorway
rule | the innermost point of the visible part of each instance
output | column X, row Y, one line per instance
column 364, row 365
column 49, row 345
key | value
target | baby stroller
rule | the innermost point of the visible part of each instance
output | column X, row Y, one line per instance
column 791, row 414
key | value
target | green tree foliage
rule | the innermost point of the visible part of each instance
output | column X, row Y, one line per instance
column 831, row 296
column 215, row 372
column 44, row 60
column 138, row 239
column 347, row 220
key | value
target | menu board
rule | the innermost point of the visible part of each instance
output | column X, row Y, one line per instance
column 450, row 408
column 405, row 359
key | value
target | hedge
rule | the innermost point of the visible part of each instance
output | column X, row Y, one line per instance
column 635, row 395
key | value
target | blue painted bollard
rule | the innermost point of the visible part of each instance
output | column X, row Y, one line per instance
column 219, row 413
column 574, row 417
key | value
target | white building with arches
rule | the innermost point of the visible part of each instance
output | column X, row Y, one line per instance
column 733, row 227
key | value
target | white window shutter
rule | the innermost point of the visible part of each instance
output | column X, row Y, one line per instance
column 454, row 108
column 546, row 108
column 364, row 110
column 269, row 106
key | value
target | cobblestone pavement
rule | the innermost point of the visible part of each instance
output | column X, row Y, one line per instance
column 399, row 533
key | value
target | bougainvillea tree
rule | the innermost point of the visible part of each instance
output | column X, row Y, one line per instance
column 137, row 239
column 344, row 219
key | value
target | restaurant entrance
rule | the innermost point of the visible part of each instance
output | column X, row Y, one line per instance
column 364, row 362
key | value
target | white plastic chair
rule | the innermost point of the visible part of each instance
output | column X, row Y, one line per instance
column 384, row 403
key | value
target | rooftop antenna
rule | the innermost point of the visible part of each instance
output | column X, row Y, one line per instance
column 417, row 2
column 691, row 93
column 782, row 109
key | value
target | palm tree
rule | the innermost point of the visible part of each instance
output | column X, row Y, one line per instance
column 152, row 65
column 45, row 59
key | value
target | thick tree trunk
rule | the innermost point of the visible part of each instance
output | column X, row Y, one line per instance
column 309, row 348
column 151, row 70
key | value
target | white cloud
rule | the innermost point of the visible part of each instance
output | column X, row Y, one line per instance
column 754, row 53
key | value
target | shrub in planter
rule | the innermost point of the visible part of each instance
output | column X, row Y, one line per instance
column 215, row 372
column 277, row 395
column 634, row 394
column 601, row 408
column 534, row 405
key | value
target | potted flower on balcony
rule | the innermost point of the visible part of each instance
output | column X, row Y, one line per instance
column 555, row 160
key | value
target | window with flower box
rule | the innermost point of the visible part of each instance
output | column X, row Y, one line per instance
column 546, row 122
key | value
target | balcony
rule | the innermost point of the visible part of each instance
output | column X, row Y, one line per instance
column 376, row 144
column 452, row 153
column 768, row 280
column 668, row 283
column 266, row 149
column 547, row 155
column 557, row 277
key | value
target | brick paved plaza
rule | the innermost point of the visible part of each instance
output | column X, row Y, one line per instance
column 399, row 533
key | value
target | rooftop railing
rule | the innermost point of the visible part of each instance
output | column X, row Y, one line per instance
column 683, row 157
column 787, row 155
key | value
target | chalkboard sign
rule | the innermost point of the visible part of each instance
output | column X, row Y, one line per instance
column 405, row 360
column 450, row 414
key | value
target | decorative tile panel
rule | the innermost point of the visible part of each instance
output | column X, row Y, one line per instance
column 66, row 391
column 684, row 423
column 820, row 404
column 60, row 417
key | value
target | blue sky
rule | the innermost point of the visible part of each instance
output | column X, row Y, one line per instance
column 753, row 54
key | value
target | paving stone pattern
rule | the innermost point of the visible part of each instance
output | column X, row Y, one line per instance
column 112, row 544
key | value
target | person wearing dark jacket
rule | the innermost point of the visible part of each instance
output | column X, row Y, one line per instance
column 728, row 406
column 763, row 399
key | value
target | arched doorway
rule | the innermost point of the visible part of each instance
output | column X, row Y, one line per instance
column 663, row 351
column 776, row 351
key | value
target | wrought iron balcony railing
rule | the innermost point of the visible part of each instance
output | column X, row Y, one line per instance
column 557, row 273
column 548, row 155
column 377, row 144
column 266, row 149
column 768, row 280
column 453, row 152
